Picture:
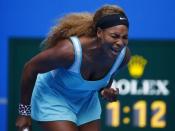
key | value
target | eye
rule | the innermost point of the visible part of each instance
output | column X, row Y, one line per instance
column 115, row 36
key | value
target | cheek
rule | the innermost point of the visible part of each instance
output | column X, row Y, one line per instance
column 109, row 40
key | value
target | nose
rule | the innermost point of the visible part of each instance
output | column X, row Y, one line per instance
column 120, row 43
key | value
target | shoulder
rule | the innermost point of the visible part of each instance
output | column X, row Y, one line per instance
column 65, row 51
column 64, row 45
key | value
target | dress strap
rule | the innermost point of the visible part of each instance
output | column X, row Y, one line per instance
column 118, row 62
column 78, row 54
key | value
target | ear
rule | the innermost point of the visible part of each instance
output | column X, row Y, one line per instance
column 99, row 32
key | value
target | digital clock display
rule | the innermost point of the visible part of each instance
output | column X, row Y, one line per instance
column 137, row 114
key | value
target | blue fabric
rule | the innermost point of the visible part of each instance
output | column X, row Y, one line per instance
column 63, row 94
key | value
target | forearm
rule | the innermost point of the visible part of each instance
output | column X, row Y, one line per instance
column 27, row 84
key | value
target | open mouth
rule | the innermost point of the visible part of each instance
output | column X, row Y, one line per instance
column 115, row 50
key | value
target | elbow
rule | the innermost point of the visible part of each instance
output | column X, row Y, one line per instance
column 28, row 66
column 29, row 69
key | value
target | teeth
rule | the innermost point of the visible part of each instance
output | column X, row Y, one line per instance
column 114, row 52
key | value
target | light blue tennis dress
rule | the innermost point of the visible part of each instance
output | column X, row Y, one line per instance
column 63, row 94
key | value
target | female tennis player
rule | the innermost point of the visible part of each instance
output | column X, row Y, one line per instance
column 81, row 57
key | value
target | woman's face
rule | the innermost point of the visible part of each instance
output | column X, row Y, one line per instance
column 113, row 39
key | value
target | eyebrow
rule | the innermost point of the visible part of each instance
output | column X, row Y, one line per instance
column 117, row 34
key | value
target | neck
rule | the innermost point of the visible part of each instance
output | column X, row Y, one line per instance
column 94, row 47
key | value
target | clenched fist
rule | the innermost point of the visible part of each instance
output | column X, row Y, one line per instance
column 23, row 122
column 109, row 94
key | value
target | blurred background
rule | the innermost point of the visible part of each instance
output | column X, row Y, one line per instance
column 147, row 85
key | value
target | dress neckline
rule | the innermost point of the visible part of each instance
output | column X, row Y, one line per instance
column 113, row 68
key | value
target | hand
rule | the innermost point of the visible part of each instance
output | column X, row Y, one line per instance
column 110, row 94
column 23, row 122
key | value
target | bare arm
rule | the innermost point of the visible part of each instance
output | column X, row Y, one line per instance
column 59, row 56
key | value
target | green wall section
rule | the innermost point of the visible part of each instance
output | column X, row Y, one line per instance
column 145, row 103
